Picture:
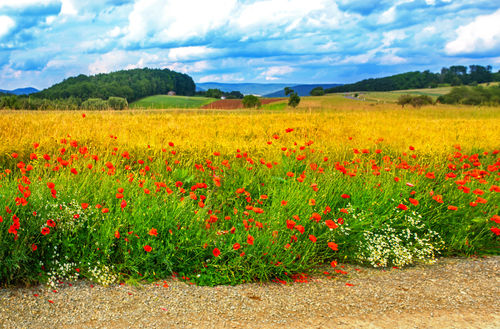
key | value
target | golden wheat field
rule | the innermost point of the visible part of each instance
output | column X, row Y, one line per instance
column 333, row 123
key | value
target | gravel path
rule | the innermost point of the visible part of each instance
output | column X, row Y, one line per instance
column 453, row 293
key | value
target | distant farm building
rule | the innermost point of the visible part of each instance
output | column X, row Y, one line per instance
column 171, row 93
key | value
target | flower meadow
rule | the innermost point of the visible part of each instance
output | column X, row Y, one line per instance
column 93, row 202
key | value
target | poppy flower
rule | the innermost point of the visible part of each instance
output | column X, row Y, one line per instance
column 345, row 196
column 45, row 231
column 333, row 246
column 236, row 246
column 34, row 247
column 51, row 223
column 147, row 248
column 452, row 208
column 117, row 234
column 216, row 252
column 413, row 201
column 333, row 263
column 250, row 240
column 154, row 232
column 331, row 224
column 402, row 207
column 312, row 238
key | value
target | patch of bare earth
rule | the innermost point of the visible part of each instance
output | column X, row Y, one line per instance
column 453, row 293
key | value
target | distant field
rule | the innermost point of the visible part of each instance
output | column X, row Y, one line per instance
column 166, row 102
column 231, row 104
column 392, row 96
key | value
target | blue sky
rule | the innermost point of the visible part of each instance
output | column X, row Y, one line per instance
column 314, row 41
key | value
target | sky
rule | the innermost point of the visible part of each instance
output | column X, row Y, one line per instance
column 315, row 41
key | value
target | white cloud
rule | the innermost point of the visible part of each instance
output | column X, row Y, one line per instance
column 272, row 73
column 221, row 78
column 153, row 22
column 167, row 21
column 199, row 66
column 112, row 61
column 187, row 53
column 68, row 8
column 25, row 3
column 391, row 59
column 482, row 35
column 6, row 23
column 387, row 16
column 391, row 36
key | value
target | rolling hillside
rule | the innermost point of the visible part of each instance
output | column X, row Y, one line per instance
column 166, row 102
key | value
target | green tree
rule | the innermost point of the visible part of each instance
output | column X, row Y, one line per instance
column 251, row 101
column 318, row 91
column 294, row 98
column 213, row 93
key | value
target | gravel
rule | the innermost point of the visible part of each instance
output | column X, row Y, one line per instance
column 453, row 293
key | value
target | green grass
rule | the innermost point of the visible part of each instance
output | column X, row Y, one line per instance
column 166, row 102
column 392, row 96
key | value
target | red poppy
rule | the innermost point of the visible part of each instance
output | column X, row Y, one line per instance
column 34, row 247
column 45, row 231
column 85, row 206
column 51, row 223
column 312, row 238
column 333, row 263
column 345, row 196
column 413, row 201
column 250, row 240
column 333, row 246
column 216, row 252
column 117, row 234
column 147, row 248
column 154, row 232
column 331, row 224
column 236, row 246
column 452, row 208
column 402, row 207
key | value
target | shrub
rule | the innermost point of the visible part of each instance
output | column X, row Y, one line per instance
column 415, row 101
column 117, row 103
column 95, row 104
column 251, row 101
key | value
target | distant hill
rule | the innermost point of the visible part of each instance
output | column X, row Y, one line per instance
column 20, row 91
column 130, row 84
column 244, row 88
column 302, row 90
column 454, row 75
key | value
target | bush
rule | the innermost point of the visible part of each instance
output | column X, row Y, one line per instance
column 251, row 101
column 415, row 101
column 95, row 104
column 117, row 103
column 472, row 96
column 318, row 91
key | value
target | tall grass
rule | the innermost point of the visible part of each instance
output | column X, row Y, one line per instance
column 224, row 197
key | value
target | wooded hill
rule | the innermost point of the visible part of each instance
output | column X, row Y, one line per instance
column 129, row 84
column 454, row 75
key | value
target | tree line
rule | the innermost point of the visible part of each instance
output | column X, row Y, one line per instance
column 454, row 75
column 128, row 85
column 217, row 93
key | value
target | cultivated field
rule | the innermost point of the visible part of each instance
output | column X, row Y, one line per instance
column 224, row 197
column 168, row 102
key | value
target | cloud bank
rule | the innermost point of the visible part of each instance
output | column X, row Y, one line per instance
column 45, row 41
